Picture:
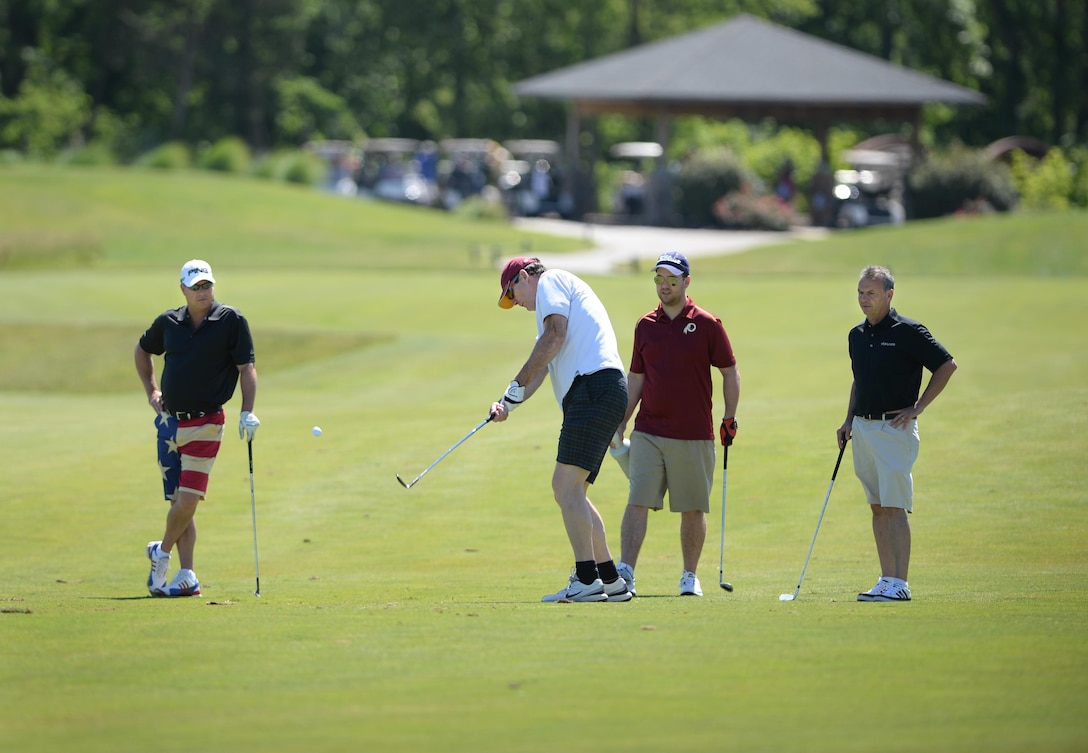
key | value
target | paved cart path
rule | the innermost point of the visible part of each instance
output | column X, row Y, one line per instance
column 611, row 248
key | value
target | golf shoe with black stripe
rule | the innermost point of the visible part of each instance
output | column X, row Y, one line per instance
column 894, row 591
column 873, row 592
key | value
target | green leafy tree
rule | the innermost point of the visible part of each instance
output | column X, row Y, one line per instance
column 307, row 111
column 47, row 113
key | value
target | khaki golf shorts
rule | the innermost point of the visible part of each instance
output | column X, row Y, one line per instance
column 683, row 467
column 883, row 459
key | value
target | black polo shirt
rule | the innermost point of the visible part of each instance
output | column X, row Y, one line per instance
column 887, row 360
column 200, row 367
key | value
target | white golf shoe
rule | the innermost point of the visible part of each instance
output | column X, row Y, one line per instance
column 576, row 590
column 160, row 563
column 875, row 591
column 628, row 574
column 618, row 590
column 894, row 591
column 689, row 584
column 185, row 583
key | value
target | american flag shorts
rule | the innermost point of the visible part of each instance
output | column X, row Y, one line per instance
column 187, row 451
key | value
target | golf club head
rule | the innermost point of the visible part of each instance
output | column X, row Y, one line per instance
column 727, row 586
column 787, row 597
column 406, row 486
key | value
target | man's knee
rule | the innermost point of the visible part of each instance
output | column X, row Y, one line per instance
column 569, row 483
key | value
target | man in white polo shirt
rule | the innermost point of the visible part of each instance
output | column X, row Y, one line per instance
column 576, row 346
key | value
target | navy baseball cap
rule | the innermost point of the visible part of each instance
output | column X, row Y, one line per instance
column 675, row 262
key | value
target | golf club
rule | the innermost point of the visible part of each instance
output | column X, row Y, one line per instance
column 413, row 482
column 791, row 597
column 253, row 503
column 721, row 557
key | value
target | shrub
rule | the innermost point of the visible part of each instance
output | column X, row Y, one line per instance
column 174, row 155
column 483, row 206
column 705, row 177
column 946, row 183
column 228, row 155
column 747, row 210
column 304, row 168
column 1045, row 183
column 273, row 166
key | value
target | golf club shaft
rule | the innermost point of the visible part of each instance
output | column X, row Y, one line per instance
column 820, row 520
column 461, row 441
column 721, row 548
column 253, row 506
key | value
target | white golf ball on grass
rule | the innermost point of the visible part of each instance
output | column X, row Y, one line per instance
column 317, row 431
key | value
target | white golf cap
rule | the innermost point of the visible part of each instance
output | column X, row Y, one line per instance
column 194, row 271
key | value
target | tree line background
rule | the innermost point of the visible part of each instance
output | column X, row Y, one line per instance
column 135, row 74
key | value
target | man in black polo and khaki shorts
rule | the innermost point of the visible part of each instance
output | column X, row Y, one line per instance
column 887, row 354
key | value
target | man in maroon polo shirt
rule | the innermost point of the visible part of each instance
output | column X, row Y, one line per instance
column 676, row 348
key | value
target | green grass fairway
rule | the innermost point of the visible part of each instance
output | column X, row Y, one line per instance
column 394, row 620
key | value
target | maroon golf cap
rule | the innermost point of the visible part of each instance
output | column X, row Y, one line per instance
column 509, row 272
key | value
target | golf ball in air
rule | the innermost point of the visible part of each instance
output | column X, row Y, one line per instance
column 317, row 431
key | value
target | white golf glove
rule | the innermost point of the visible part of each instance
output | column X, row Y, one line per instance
column 515, row 396
column 247, row 426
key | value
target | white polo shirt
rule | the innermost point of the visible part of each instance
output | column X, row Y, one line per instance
column 591, row 342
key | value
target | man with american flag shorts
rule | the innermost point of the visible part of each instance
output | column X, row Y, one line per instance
column 207, row 351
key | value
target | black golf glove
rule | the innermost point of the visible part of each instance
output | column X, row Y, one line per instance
column 728, row 431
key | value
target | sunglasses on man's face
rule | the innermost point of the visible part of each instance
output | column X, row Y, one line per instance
column 510, row 288
column 673, row 280
column 201, row 286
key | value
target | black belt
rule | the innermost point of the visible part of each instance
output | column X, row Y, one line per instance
column 189, row 415
column 878, row 416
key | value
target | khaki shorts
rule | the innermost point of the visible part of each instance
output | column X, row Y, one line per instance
column 883, row 459
column 683, row 467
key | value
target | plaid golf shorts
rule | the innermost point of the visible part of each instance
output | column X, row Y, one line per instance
column 593, row 408
column 187, row 450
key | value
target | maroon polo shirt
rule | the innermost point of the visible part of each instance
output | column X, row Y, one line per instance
column 676, row 357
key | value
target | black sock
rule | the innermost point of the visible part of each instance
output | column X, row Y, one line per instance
column 607, row 571
column 586, row 571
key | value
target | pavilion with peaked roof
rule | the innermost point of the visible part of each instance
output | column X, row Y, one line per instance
column 746, row 68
